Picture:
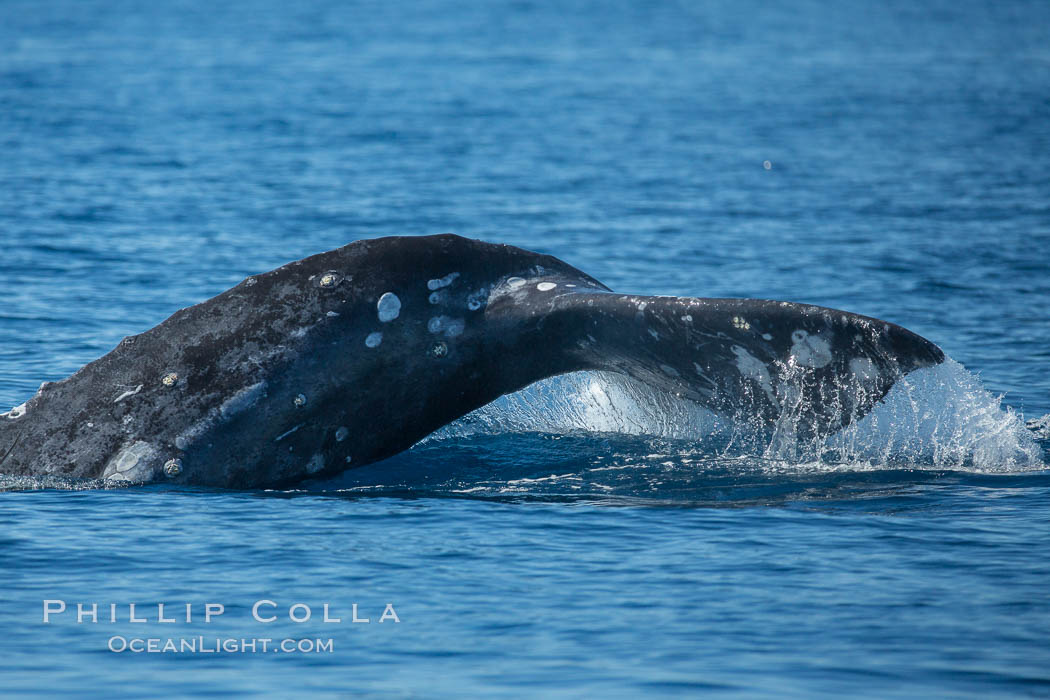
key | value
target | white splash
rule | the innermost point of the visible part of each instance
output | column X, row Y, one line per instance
column 939, row 417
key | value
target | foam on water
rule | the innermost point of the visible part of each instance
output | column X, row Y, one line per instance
column 938, row 417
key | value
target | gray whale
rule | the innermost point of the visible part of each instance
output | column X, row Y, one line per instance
column 351, row 356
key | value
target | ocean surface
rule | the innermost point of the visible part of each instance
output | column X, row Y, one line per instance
column 584, row 538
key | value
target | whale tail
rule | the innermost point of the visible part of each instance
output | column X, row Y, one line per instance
column 766, row 362
column 351, row 356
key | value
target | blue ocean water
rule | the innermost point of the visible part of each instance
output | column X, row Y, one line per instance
column 580, row 539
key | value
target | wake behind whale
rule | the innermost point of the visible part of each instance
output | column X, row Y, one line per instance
column 348, row 357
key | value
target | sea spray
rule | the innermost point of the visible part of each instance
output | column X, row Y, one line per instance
column 938, row 417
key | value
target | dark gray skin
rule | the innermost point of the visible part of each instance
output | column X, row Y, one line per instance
column 276, row 380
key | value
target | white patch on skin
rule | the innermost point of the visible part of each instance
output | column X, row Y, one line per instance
column 450, row 326
column 740, row 324
column 349, row 459
column 767, row 336
column 654, row 334
column 668, row 369
column 389, row 307
column 315, row 464
column 331, row 314
column 242, row 400
column 515, row 282
column 201, row 427
column 341, row 434
column 810, row 350
column 688, row 318
column 285, row 434
column 126, row 394
column 750, row 366
column 454, row 327
column 16, row 412
column 130, row 463
column 863, row 368
column 442, row 282
column 545, row 286
column 298, row 332
column 374, row 339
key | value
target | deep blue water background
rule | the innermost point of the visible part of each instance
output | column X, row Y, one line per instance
column 152, row 156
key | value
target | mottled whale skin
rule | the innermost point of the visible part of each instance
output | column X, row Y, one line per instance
column 351, row 356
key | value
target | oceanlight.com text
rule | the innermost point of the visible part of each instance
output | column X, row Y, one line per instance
column 218, row 645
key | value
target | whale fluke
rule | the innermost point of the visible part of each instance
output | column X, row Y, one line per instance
column 350, row 356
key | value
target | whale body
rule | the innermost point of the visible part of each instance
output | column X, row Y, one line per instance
column 353, row 355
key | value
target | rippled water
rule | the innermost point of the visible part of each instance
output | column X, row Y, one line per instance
column 587, row 536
